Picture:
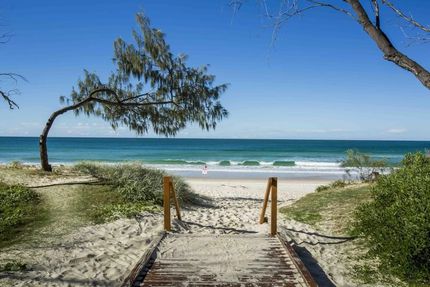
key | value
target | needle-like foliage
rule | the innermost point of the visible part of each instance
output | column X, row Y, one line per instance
column 150, row 88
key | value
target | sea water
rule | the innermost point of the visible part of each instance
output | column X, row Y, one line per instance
column 223, row 157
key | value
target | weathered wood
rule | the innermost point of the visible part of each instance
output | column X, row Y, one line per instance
column 297, row 261
column 175, row 198
column 266, row 199
column 166, row 202
column 274, row 209
column 131, row 279
column 179, row 263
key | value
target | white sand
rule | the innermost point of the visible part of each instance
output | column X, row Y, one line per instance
column 92, row 256
column 101, row 255
column 236, row 204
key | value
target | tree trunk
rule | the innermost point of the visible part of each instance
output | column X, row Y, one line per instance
column 384, row 44
column 43, row 148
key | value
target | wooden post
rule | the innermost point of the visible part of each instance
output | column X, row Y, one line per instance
column 166, row 202
column 266, row 199
column 175, row 198
column 274, row 209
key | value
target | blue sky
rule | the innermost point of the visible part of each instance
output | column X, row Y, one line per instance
column 322, row 79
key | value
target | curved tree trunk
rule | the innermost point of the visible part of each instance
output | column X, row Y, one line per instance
column 43, row 148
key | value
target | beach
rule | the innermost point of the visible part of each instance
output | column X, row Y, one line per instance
column 103, row 254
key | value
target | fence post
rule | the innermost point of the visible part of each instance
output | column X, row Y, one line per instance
column 175, row 198
column 266, row 199
column 166, row 202
column 274, row 209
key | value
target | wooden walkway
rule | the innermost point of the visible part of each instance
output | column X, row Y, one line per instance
column 222, row 260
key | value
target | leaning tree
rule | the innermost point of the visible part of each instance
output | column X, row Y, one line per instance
column 150, row 89
column 367, row 13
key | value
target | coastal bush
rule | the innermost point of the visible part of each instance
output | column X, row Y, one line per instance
column 19, row 206
column 12, row 266
column 331, row 204
column 138, row 184
column 363, row 163
column 396, row 223
column 335, row 184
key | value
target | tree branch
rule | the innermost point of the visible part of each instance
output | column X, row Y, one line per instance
column 6, row 95
column 10, row 102
column 375, row 5
column 386, row 46
column 328, row 5
column 405, row 17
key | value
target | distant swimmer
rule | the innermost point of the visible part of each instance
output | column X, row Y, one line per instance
column 205, row 170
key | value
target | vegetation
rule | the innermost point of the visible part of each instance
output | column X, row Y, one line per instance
column 150, row 88
column 365, row 165
column 101, row 203
column 20, row 207
column 13, row 265
column 127, row 190
column 396, row 223
column 336, row 201
column 334, row 184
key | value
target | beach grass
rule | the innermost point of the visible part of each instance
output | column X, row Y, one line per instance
column 71, row 197
column 335, row 203
column 21, row 210
column 137, row 184
column 101, row 203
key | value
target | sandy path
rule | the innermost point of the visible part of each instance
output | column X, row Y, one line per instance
column 100, row 255
column 236, row 205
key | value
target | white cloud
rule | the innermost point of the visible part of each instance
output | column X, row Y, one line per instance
column 396, row 131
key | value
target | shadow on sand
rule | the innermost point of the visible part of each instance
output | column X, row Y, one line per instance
column 185, row 224
column 319, row 275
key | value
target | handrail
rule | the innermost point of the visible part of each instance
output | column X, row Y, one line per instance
column 272, row 189
column 168, row 189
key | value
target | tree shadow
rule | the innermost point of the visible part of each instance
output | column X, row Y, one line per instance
column 185, row 224
column 338, row 239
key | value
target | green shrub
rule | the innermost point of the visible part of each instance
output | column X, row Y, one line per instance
column 138, row 184
column 322, row 188
column 19, row 206
column 364, row 164
column 338, row 184
column 396, row 223
column 12, row 266
column 335, row 184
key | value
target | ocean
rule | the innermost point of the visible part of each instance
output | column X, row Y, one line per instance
column 223, row 157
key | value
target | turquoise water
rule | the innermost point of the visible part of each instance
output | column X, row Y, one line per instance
column 218, row 154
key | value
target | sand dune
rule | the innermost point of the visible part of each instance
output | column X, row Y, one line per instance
column 101, row 255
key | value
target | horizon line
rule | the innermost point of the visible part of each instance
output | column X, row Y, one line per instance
column 196, row 138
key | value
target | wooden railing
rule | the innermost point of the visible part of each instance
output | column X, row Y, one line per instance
column 272, row 189
column 168, row 192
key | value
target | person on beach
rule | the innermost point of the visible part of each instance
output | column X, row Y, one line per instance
column 205, row 170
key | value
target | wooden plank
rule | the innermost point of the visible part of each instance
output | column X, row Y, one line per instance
column 142, row 262
column 274, row 209
column 266, row 199
column 166, row 202
column 297, row 261
column 175, row 198
column 184, row 267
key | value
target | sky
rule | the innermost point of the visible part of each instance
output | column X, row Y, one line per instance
column 322, row 78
